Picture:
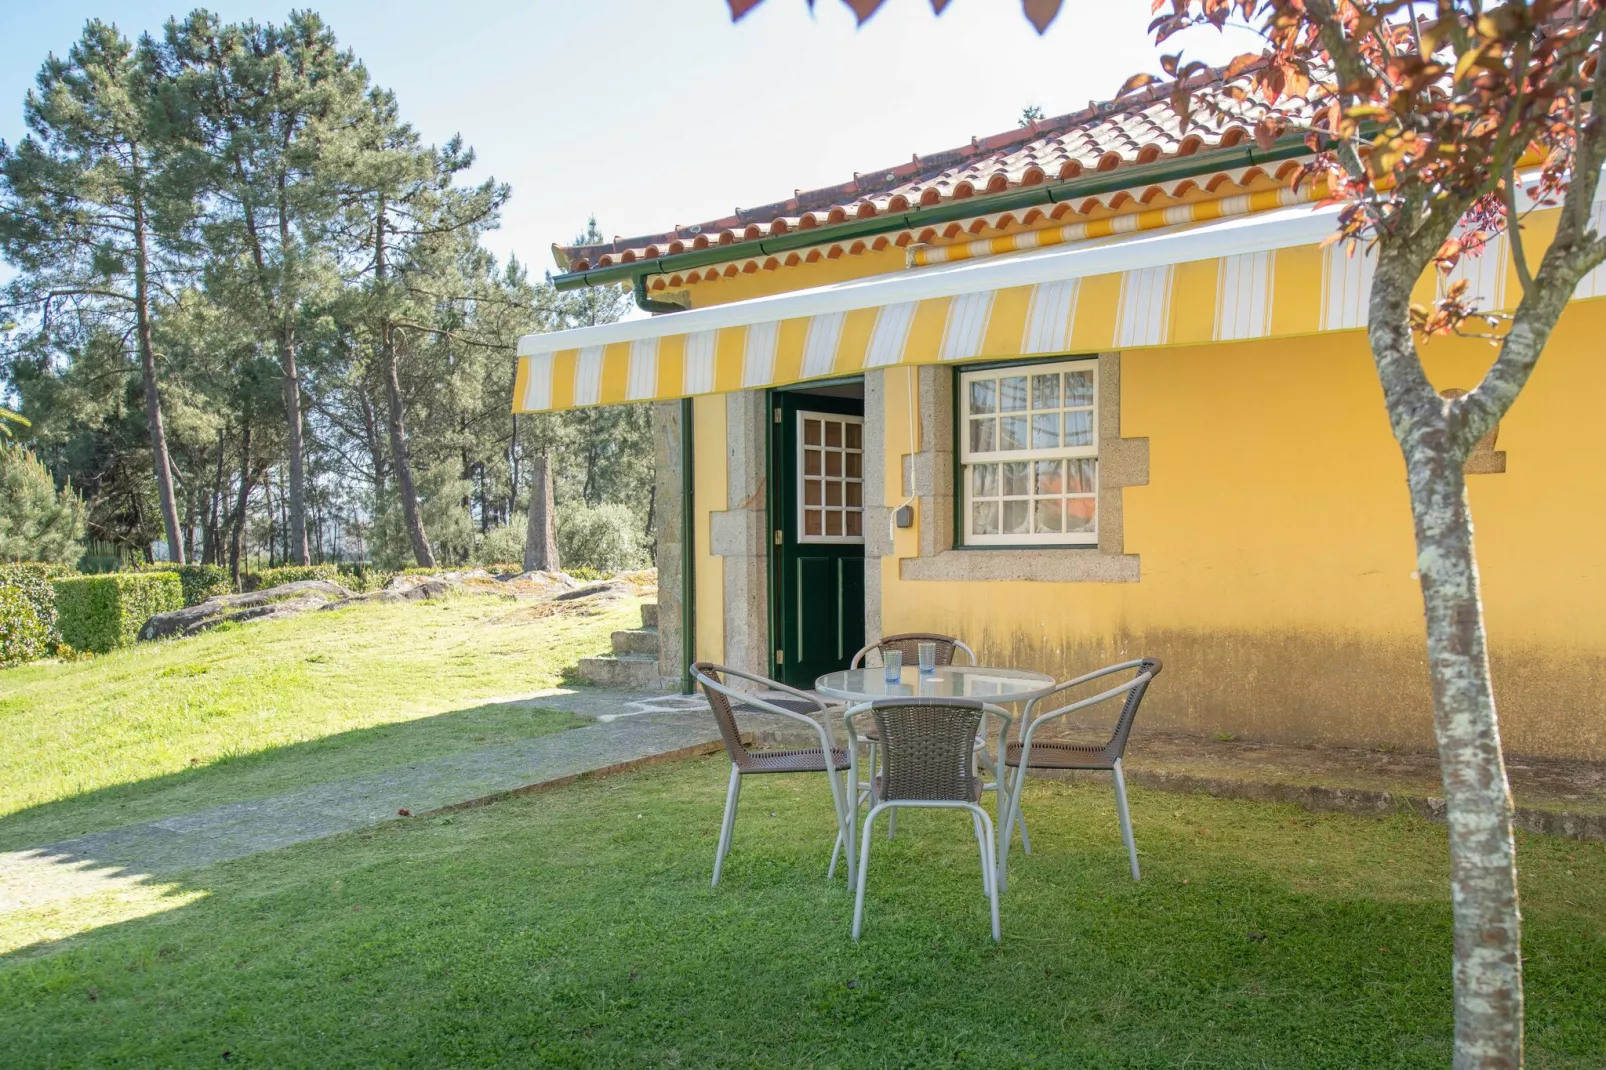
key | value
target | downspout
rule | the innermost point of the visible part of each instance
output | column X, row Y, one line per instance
column 688, row 554
column 648, row 304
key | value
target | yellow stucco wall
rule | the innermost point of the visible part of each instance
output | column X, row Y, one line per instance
column 1277, row 555
column 708, row 496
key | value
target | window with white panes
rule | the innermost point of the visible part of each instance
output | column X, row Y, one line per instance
column 830, row 477
column 1028, row 452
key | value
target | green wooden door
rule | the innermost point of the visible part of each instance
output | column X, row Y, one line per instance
column 817, row 526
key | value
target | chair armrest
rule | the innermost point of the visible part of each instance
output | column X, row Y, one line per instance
column 749, row 700
column 769, row 685
column 1104, row 696
column 1084, row 678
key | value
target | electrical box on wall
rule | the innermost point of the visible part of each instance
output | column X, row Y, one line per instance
column 905, row 516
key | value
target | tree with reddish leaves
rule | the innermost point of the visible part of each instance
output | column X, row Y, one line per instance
column 1436, row 127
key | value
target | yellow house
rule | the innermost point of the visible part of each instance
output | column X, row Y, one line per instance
column 1090, row 389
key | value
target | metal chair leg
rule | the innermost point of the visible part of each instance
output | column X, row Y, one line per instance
column 864, row 866
column 1025, row 837
column 731, row 795
column 1126, row 819
column 892, row 823
column 990, row 865
column 981, row 845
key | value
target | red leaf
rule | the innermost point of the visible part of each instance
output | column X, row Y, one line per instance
column 1240, row 64
column 404, row 812
column 1134, row 83
column 1039, row 12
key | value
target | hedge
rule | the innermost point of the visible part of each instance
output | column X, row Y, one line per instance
column 101, row 613
column 200, row 582
column 363, row 577
column 274, row 577
column 31, row 633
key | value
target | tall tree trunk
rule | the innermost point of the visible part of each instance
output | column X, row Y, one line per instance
column 1483, row 864
column 237, row 526
column 296, row 505
column 541, row 537
column 213, row 553
column 401, row 461
column 153, row 399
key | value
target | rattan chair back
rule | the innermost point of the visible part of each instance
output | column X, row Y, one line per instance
column 1129, row 709
column 908, row 644
column 928, row 749
column 724, row 716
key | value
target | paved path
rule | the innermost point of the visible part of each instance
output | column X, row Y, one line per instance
column 630, row 730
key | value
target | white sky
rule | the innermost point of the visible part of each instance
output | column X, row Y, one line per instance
column 649, row 114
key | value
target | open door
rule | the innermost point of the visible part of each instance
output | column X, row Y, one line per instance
column 817, row 522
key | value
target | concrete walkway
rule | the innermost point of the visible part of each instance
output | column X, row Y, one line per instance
column 630, row 730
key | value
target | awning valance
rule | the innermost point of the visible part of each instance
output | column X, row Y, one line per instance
column 1265, row 275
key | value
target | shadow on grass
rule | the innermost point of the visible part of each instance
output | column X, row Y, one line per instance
column 261, row 773
column 578, row 928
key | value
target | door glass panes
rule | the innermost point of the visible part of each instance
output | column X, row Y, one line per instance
column 1029, row 442
column 830, row 477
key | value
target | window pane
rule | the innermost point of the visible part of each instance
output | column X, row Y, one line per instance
column 1017, row 479
column 833, row 521
column 811, row 432
column 855, row 436
column 833, row 433
column 1079, row 475
column 1045, row 391
column 983, row 395
column 1017, row 518
column 1079, row 514
column 1050, row 515
column 811, row 462
column 833, row 463
column 1012, row 433
column 983, row 435
column 855, row 522
column 1079, row 428
column 811, row 492
column 855, row 494
column 984, row 518
column 984, row 481
column 1078, row 388
column 1012, row 393
column 856, row 465
column 1045, row 431
column 811, row 522
column 1051, row 477
column 833, row 493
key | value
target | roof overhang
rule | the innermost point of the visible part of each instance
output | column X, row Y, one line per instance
column 1267, row 275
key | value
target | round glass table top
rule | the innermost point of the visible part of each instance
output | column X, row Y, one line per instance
column 949, row 681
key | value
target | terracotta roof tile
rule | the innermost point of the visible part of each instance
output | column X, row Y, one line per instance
column 1100, row 138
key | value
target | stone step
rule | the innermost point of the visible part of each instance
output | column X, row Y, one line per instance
column 643, row 641
column 631, row 673
column 649, row 614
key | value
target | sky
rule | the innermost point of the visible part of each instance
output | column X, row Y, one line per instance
column 653, row 114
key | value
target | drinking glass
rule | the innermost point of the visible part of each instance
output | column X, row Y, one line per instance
column 892, row 665
column 928, row 658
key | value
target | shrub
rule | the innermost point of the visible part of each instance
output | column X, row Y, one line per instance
column 588, row 575
column 31, row 584
column 604, row 537
column 23, row 636
column 37, row 522
column 505, row 543
column 200, row 582
column 273, row 577
column 363, row 577
column 101, row 613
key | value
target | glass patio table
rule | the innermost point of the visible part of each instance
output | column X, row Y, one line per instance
column 949, row 681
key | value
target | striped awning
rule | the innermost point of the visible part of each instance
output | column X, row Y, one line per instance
column 1261, row 275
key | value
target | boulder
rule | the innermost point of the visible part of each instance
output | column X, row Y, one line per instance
column 286, row 600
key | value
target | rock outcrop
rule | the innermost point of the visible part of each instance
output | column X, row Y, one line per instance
column 286, row 600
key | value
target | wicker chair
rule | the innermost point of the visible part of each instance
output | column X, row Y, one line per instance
column 1032, row 753
column 907, row 644
column 928, row 760
column 781, row 701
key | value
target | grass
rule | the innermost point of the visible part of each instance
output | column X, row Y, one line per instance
column 577, row 928
column 252, row 710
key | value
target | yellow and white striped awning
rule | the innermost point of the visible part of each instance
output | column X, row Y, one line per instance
column 1262, row 275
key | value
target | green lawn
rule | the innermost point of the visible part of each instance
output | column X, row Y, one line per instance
column 577, row 928
column 252, row 710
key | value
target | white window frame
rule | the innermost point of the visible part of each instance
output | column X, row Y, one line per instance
column 800, row 415
column 967, row 457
